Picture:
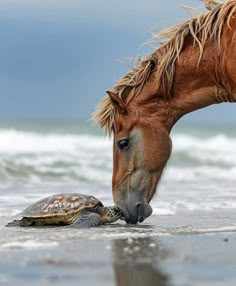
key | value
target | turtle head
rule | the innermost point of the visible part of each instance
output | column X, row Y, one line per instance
column 109, row 214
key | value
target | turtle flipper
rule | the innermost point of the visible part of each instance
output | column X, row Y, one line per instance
column 21, row 222
column 88, row 219
column 15, row 222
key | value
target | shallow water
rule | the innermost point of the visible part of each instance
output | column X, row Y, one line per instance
column 186, row 249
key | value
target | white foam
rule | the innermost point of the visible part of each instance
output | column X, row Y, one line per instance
column 35, row 158
column 163, row 211
column 196, row 173
column 12, row 141
column 196, row 230
column 28, row 244
column 230, row 228
column 29, row 157
column 216, row 149
column 171, row 204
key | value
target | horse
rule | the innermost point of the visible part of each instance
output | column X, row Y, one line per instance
column 194, row 67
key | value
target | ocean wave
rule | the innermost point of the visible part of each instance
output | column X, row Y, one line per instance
column 172, row 206
column 37, row 158
column 196, row 173
column 219, row 149
column 25, row 142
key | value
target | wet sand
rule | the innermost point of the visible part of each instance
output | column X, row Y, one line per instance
column 186, row 249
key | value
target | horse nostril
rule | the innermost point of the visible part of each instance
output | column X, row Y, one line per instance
column 134, row 210
column 140, row 212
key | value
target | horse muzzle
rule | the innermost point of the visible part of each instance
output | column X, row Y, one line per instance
column 134, row 208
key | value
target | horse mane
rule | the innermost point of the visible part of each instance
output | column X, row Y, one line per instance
column 200, row 29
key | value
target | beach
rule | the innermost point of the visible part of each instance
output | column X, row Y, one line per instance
column 189, row 240
column 188, row 249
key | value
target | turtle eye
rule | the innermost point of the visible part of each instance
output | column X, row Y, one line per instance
column 123, row 144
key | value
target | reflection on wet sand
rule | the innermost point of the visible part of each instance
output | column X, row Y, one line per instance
column 136, row 262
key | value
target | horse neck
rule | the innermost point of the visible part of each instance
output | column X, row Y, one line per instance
column 198, row 85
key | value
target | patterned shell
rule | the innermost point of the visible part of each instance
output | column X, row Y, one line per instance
column 60, row 205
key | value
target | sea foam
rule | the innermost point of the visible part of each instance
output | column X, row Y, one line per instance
column 37, row 158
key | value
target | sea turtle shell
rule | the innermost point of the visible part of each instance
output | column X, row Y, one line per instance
column 60, row 206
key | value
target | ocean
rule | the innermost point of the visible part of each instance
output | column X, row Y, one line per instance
column 42, row 158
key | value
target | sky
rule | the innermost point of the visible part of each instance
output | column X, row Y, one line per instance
column 57, row 57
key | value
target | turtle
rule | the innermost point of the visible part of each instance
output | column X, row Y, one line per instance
column 66, row 209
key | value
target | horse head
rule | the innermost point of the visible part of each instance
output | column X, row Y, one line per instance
column 141, row 149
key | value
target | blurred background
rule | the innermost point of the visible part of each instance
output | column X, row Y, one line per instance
column 57, row 58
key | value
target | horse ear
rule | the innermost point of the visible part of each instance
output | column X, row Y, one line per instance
column 117, row 102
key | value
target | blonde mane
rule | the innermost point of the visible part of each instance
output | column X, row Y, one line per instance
column 200, row 28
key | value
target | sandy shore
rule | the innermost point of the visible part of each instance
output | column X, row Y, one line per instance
column 186, row 249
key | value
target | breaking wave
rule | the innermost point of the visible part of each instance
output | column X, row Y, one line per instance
column 37, row 158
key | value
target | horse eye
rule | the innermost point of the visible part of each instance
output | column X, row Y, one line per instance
column 123, row 144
